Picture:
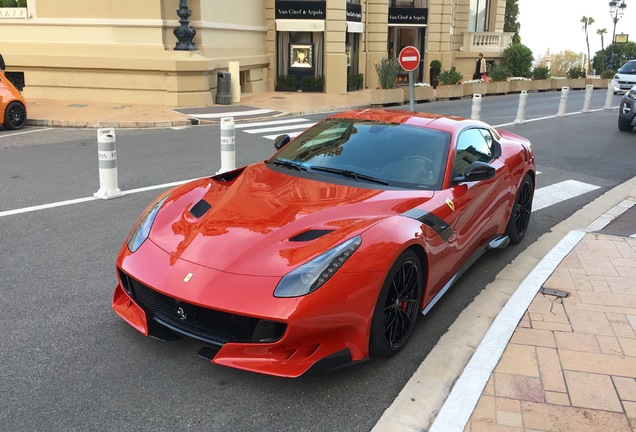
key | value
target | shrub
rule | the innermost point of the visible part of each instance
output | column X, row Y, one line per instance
column 436, row 64
column 355, row 80
column 388, row 71
column 449, row 77
column 312, row 81
column 608, row 74
column 21, row 3
column 286, row 80
column 517, row 58
column 576, row 72
column 541, row 73
column 9, row 3
column 499, row 72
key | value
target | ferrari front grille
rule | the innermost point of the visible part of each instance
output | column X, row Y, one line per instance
column 201, row 323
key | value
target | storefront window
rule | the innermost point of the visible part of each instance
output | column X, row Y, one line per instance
column 408, row 3
column 478, row 16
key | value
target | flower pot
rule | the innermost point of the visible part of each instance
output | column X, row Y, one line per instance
column 515, row 86
column 540, row 85
column 577, row 83
column 498, row 87
column 387, row 96
column 419, row 94
column 475, row 88
column 453, row 91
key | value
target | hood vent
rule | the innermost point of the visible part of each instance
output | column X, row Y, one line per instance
column 200, row 208
column 309, row 235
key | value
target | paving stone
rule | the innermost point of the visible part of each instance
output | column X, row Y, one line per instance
column 610, row 345
column 629, row 346
column 536, row 337
column 623, row 330
column 607, row 299
column 550, row 368
column 626, row 388
column 630, row 412
column 558, row 418
column 577, row 341
column 518, row 360
column 593, row 391
column 518, row 387
column 484, row 410
column 557, row 398
column 620, row 285
column 590, row 323
column 506, row 418
column 510, row 405
column 485, row 427
column 598, row 363
column 563, row 327
column 560, row 279
column 489, row 390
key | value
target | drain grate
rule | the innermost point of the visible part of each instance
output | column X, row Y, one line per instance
column 554, row 292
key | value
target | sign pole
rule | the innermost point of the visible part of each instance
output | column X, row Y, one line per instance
column 411, row 92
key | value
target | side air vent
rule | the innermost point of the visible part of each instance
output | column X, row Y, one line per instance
column 309, row 235
column 200, row 208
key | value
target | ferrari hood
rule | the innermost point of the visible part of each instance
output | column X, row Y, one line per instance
column 266, row 223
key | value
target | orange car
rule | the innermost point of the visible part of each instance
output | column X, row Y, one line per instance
column 12, row 106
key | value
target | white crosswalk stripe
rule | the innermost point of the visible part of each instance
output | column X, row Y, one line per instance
column 292, row 127
column 558, row 192
column 302, row 126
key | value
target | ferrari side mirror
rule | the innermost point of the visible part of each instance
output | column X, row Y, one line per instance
column 477, row 171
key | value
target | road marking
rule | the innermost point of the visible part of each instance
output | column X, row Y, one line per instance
column 280, row 128
column 558, row 192
column 291, row 135
column 231, row 114
column 270, row 123
column 24, row 132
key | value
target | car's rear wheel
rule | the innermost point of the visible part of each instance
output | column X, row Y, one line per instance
column 625, row 125
column 397, row 307
column 14, row 115
column 520, row 215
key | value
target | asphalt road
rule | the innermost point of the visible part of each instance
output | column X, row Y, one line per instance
column 69, row 363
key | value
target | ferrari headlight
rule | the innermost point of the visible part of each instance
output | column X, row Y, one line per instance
column 312, row 275
column 141, row 231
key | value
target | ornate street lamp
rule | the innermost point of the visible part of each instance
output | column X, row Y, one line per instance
column 184, row 32
column 617, row 9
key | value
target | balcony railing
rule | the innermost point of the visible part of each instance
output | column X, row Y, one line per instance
column 486, row 41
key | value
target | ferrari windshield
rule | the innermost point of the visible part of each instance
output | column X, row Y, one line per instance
column 395, row 155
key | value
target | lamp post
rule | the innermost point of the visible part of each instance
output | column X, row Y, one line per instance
column 184, row 32
column 617, row 9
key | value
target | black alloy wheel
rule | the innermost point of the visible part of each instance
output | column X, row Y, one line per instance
column 520, row 216
column 398, row 307
column 14, row 115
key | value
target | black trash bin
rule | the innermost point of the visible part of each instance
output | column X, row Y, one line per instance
column 224, row 88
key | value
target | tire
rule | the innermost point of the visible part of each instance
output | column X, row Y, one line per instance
column 14, row 115
column 520, row 214
column 625, row 125
column 397, row 307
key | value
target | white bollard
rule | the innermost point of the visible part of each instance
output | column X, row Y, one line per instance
column 563, row 105
column 476, row 111
column 228, row 159
column 521, row 111
column 609, row 96
column 107, row 156
column 588, row 97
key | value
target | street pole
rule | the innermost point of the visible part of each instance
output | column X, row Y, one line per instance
column 184, row 32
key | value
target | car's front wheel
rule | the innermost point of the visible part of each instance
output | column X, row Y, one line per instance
column 520, row 215
column 397, row 307
column 14, row 115
column 625, row 125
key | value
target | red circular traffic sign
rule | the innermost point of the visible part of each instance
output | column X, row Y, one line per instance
column 409, row 58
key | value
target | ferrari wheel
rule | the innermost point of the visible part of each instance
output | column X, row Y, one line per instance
column 520, row 216
column 14, row 115
column 397, row 308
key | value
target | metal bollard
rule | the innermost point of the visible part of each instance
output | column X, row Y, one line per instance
column 476, row 111
column 107, row 156
column 588, row 97
column 521, row 111
column 609, row 96
column 564, row 101
column 228, row 162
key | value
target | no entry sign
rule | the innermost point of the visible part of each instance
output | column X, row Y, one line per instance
column 409, row 58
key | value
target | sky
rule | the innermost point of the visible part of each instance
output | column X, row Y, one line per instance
column 556, row 24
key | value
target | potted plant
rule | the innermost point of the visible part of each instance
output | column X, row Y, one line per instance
column 286, row 83
column 436, row 68
column 448, row 86
column 540, row 78
column 499, row 75
column 387, row 70
column 312, row 83
column 421, row 92
column 474, row 86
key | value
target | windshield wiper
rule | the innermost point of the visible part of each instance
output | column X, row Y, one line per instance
column 288, row 163
column 348, row 173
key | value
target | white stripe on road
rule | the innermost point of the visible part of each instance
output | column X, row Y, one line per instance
column 291, row 135
column 555, row 193
column 269, row 123
column 24, row 132
column 231, row 114
column 280, row 128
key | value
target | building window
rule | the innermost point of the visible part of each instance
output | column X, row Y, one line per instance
column 478, row 16
column 408, row 3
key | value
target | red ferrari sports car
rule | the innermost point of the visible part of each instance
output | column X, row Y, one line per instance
column 326, row 253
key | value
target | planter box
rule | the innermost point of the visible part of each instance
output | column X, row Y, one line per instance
column 449, row 91
column 515, row 86
column 540, row 85
column 387, row 96
column 578, row 83
column 13, row 13
column 557, row 84
column 283, row 88
column 475, row 88
column 308, row 89
column 498, row 87
column 419, row 94
column 598, row 83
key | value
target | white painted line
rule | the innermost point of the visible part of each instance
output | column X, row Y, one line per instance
column 409, row 58
column 231, row 114
column 87, row 199
column 555, row 193
column 24, row 132
column 269, row 123
column 280, row 128
column 291, row 135
column 462, row 400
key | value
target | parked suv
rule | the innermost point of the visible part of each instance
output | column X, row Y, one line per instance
column 625, row 78
column 627, row 111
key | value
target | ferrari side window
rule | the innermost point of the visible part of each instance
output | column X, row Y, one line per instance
column 472, row 145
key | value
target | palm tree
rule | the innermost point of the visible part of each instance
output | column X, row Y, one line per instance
column 601, row 32
column 586, row 23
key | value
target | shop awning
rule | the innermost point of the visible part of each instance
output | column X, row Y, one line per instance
column 355, row 27
column 307, row 25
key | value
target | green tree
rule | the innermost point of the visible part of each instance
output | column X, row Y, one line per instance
column 587, row 21
column 517, row 59
column 602, row 32
column 511, row 25
column 561, row 63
